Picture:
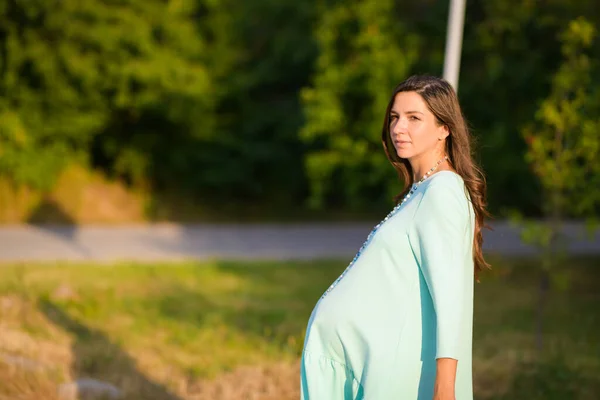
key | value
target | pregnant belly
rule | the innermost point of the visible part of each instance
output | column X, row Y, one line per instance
column 351, row 328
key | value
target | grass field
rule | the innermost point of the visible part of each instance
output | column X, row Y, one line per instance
column 235, row 330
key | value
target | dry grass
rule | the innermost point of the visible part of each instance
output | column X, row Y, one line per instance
column 19, row 383
column 234, row 331
column 159, row 332
column 275, row 381
column 79, row 196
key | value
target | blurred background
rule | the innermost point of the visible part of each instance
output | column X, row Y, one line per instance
column 180, row 180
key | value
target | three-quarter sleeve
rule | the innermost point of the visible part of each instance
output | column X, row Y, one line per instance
column 440, row 239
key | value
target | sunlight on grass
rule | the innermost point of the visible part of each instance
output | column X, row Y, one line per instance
column 190, row 330
column 180, row 322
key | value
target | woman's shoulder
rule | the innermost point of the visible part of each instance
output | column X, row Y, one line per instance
column 444, row 203
column 444, row 180
column 445, row 190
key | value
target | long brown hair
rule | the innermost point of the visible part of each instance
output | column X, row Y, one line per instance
column 442, row 101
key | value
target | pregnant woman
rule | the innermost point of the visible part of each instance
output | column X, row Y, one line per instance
column 397, row 324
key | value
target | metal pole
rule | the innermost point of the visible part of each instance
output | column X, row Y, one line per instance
column 454, row 34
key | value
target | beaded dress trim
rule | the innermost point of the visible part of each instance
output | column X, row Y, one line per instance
column 374, row 230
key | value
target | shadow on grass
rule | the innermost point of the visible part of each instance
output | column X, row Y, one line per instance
column 284, row 296
column 96, row 356
column 551, row 379
column 273, row 302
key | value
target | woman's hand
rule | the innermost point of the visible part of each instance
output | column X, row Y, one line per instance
column 445, row 379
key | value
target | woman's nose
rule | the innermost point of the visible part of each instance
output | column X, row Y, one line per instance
column 400, row 126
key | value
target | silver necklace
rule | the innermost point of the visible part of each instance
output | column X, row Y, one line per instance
column 391, row 214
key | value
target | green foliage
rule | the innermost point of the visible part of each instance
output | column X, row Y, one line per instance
column 564, row 144
column 74, row 70
column 563, row 141
column 21, row 153
column 260, row 54
column 364, row 53
column 279, row 102
column 509, row 57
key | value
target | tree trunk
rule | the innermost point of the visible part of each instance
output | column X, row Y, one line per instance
column 551, row 259
column 544, row 284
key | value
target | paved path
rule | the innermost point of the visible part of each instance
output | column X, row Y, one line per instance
column 173, row 242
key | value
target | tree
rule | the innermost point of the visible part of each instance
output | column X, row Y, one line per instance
column 364, row 53
column 563, row 147
column 260, row 54
column 72, row 71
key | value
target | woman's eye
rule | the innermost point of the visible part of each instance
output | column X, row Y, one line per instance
column 413, row 118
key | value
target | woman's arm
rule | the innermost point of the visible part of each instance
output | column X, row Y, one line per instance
column 444, row 379
column 440, row 239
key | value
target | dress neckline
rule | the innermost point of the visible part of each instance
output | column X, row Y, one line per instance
column 442, row 171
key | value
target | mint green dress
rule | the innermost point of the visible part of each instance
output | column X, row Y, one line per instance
column 405, row 300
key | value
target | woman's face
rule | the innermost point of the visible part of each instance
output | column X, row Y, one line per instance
column 413, row 128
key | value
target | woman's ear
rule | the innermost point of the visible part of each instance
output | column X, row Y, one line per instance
column 443, row 132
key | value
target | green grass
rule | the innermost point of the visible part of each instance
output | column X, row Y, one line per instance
column 223, row 329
